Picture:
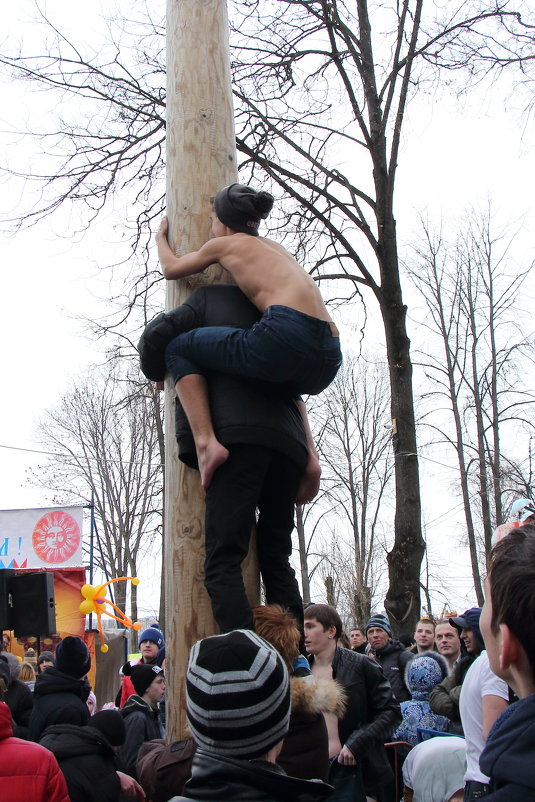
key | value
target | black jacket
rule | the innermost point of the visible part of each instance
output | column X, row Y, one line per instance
column 142, row 724
column 58, row 699
column 243, row 411
column 393, row 659
column 217, row 779
column 508, row 754
column 87, row 761
column 372, row 714
column 19, row 699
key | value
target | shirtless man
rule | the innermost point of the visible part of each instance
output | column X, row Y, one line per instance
column 359, row 768
column 295, row 343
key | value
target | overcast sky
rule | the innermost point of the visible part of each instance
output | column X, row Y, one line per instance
column 455, row 154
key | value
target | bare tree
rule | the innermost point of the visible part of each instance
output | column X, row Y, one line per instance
column 351, row 420
column 102, row 440
column 475, row 347
column 313, row 78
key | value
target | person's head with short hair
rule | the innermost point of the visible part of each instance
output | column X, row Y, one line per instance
column 326, row 615
column 447, row 641
column 45, row 660
column 378, row 631
column 151, row 641
column 509, row 610
column 237, row 696
column 424, row 634
column 240, row 209
column 279, row 628
column 356, row 637
column 27, row 672
column 467, row 625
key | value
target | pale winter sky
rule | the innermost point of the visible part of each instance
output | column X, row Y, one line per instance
column 455, row 155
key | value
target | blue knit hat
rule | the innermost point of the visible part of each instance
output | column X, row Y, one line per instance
column 153, row 634
column 378, row 620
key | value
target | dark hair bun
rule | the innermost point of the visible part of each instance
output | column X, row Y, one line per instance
column 263, row 203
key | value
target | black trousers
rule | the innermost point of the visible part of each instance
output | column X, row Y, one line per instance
column 253, row 478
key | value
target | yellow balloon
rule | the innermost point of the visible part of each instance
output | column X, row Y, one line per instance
column 87, row 607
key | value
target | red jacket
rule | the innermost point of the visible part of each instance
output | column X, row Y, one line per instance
column 27, row 771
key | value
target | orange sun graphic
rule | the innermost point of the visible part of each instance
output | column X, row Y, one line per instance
column 56, row 537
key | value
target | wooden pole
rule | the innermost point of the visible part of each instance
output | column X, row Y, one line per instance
column 201, row 159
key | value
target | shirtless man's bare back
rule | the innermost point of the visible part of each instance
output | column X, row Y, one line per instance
column 272, row 280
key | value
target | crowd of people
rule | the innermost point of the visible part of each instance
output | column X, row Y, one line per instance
column 448, row 716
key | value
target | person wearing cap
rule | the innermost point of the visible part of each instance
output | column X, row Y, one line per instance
column 390, row 654
column 152, row 648
column 444, row 698
column 295, row 344
column 141, row 712
column 238, row 708
column 61, row 691
column 272, row 463
column 45, row 660
column 87, row 756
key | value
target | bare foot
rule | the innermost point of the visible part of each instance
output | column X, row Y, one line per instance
column 310, row 481
column 210, row 456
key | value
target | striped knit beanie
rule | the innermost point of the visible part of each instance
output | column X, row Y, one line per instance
column 237, row 695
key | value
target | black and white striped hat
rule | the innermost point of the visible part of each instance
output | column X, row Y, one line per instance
column 237, row 694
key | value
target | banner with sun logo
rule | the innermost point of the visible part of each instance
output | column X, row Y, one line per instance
column 41, row 538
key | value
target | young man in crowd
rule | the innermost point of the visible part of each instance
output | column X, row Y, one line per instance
column 424, row 636
column 390, row 654
column 509, row 633
column 141, row 712
column 360, row 767
column 151, row 646
column 444, row 698
column 448, row 643
column 357, row 640
column 238, row 706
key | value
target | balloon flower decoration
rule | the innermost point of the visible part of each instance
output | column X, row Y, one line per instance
column 95, row 601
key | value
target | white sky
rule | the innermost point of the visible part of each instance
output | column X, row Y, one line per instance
column 452, row 157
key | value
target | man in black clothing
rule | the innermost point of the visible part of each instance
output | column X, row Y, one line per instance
column 272, row 462
column 390, row 655
column 61, row 692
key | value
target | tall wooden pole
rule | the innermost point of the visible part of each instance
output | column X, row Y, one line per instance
column 201, row 158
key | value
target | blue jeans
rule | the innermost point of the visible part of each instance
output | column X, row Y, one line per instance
column 285, row 346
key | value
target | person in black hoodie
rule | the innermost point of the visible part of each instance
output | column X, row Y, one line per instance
column 86, row 756
column 509, row 634
column 61, row 691
column 141, row 712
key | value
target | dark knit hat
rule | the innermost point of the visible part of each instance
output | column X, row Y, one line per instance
column 111, row 724
column 381, row 621
column 237, row 695
column 72, row 657
column 142, row 675
column 47, row 657
column 241, row 208
column 153, row 634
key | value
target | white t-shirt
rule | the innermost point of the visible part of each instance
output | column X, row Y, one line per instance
column 479, row 681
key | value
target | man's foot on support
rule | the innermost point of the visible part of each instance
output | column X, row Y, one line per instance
column 210, row 456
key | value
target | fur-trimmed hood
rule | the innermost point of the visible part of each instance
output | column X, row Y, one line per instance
column 313, row 696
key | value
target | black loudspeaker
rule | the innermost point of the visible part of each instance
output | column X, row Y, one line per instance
column 34, row 607
column 6, row 603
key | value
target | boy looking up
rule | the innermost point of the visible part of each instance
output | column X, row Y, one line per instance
column 295, row 343
column 507, row 625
